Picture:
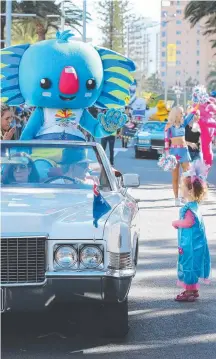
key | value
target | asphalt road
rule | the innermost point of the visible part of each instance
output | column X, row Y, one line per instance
column 159, row 327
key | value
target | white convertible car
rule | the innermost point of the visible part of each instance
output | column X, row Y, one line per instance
column 70, row 229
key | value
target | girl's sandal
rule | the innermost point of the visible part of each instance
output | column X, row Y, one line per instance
column 186, row 297
column 196, row 293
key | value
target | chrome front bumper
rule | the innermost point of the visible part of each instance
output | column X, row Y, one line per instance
column 149, row 149
column 65, row 289
column 108, row 284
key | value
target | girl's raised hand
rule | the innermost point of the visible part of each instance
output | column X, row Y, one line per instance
column 174, row 224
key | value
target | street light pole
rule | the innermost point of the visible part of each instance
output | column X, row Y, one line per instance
column 8, row 22
column 8, row 15
column 84, row 21
column 178, row 91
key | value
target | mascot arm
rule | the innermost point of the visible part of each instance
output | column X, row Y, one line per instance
column 34, row 124
column 105, row 125
column 188, row 119
column 92, row 125
column 211, row 125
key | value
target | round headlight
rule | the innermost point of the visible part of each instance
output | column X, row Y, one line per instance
column 91, row 256
column 66, row 256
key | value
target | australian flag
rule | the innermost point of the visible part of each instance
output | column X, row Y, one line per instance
column 100, row 206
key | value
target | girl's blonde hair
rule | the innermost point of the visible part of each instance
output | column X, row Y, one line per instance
column 197, row 186
column 4, row 108
column 175, row 115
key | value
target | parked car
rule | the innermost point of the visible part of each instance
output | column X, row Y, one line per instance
column 127, row 133
column 149, row 139
column 53, row 229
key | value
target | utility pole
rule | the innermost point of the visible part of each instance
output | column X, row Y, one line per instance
column 62, row 16
column 84, row 21
column 166, row 58
column 8, row 22
column 185, row 91
column 166, row 67
column 128, row 39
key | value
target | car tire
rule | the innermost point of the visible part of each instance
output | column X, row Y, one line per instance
column 137, row 154
column 115, row 319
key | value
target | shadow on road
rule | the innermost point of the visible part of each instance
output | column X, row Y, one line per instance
column 159, row 327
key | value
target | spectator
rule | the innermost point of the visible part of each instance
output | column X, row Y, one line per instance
column 24, row 119
column 111, row 140
column 19, row 127
column 7, row 132
column 94, row 112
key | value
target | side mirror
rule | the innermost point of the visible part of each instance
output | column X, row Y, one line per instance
column 130, row 180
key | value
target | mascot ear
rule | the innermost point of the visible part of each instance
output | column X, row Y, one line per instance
column 117, row 79
column 10, row 61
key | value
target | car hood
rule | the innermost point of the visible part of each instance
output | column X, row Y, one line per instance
column 62, row 214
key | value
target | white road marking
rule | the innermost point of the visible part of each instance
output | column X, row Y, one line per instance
column 117, row 150
column 52, row 334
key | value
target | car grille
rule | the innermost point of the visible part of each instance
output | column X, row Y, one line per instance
column 23, row 260
column 157, row 143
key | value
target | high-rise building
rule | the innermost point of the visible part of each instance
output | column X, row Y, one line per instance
column 184, row 53
column 143, row 43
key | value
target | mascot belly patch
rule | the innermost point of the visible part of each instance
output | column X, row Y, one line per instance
column 60, row 125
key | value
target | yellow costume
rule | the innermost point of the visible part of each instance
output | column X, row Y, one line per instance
column 162, row 112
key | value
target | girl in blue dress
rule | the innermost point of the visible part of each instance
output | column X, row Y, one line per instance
column 193, row 259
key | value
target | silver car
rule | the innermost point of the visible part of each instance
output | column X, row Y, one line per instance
column 70, row 229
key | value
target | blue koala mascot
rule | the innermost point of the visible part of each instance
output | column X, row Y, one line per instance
column 61, row 79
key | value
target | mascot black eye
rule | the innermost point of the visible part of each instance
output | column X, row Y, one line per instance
column 45, row 83
column 91, row 84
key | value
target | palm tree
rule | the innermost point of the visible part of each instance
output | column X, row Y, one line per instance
column 23, row 33
column 211, row 78
column 42, row 23
column 197, row 10
column 190, row 83
column 154, row 83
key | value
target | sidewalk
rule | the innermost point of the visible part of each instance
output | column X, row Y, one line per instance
column 156, row 275
column 158, row 212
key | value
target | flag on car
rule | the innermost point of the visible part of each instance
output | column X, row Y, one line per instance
column 100, row 206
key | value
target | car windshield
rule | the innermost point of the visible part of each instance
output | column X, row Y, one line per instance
column 154, row 126
column 45, row 165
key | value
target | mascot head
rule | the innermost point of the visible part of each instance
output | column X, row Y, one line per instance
column 202, row 102
column 213, row 94
column 59, row 73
